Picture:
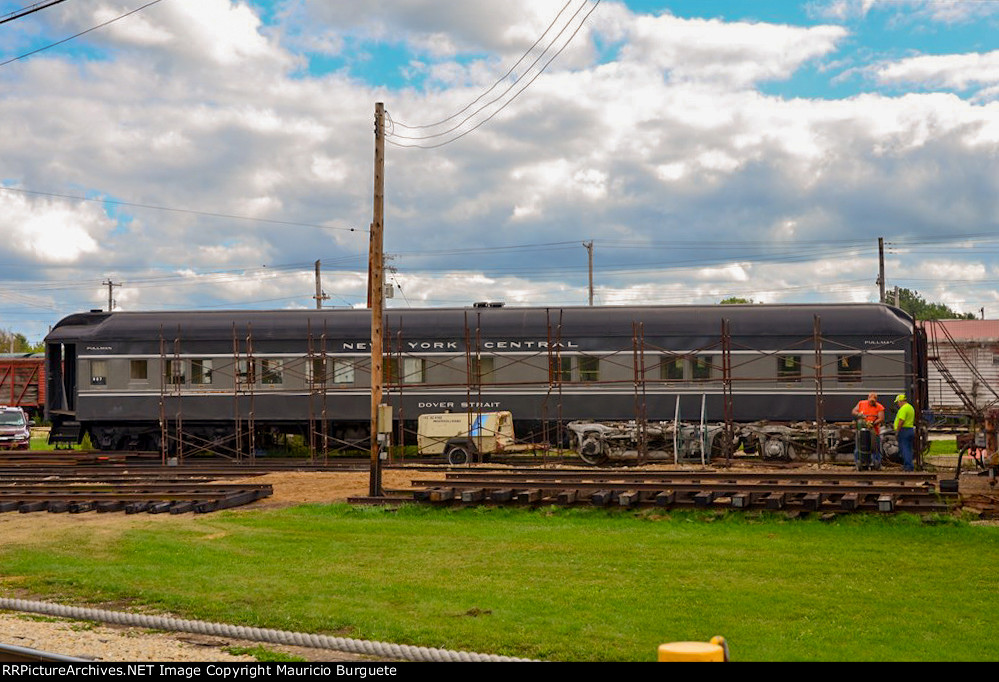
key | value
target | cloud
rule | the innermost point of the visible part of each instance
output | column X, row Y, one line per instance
column 959, row 71
column 49, row 231
column 735, row 54
column 663, row 151
column 909, row 11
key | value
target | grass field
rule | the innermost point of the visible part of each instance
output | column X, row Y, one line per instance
column 554, row 584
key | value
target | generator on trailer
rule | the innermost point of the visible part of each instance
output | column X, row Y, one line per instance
column 465, row 437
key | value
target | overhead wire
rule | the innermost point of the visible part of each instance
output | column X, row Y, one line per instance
column 496, row 99
column 209, row 214
column 498, row 81
column 29, row 9
column 505, row 104
column 81, row 33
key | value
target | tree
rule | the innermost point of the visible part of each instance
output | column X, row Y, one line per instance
column 733, row 300
column 911, row 302
column 15, row 342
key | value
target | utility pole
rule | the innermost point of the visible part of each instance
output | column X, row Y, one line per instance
column 110, row 285
column 881, row 267
column 320, row 295
column 589, row 252
column 376, row 299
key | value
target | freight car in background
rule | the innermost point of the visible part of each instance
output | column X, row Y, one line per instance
column 125, row 377
column 22, row 381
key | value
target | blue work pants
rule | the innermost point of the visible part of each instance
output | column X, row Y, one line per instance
column 906, row 444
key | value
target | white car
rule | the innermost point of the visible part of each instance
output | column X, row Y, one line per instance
column 15, row 433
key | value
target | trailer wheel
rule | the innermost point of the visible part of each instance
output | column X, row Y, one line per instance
column 458, row 455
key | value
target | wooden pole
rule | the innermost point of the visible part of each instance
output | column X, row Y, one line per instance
column 376, row 292
column 881, row 268
column 589, row 253
column 320, row 296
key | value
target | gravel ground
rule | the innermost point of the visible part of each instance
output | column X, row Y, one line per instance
column 111, row 643
column 88, row 640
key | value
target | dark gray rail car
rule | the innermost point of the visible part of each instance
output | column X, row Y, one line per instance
column 116, row 374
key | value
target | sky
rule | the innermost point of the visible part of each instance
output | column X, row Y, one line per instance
column 203, row 154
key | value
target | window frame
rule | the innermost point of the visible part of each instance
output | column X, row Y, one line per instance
column 171, row 377
column 559, row 369
column 849, row 375
column 671, row 361
column 790, row 374
column 99, row 379
column 589, row 368
column 701, row 367
column 203, row 367
column 272, row 371
column 135, row 364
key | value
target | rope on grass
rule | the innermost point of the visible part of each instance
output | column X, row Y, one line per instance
column 403, row 652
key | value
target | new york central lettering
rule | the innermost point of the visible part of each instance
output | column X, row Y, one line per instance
column 433, row 345
column 457, row 345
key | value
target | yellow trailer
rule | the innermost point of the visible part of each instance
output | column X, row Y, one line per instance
column 464, row 437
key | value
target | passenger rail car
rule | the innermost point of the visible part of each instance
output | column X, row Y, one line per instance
column 119, row 375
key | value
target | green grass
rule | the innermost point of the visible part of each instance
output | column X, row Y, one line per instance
column 576, row 584
column 942, row 447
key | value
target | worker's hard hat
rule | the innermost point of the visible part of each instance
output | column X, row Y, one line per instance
column 900, row 398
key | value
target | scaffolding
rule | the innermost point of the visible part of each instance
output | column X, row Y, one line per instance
column 716, row 367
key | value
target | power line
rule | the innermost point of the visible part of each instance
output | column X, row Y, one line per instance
column 209, row 214
column 30, row 9
column 509, row 101
column 494, row 85
column 501, row 95
column 81, row 33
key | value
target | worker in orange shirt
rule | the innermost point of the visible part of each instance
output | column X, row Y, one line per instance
column 873, row 413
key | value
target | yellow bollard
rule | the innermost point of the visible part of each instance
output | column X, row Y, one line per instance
column 715, row 651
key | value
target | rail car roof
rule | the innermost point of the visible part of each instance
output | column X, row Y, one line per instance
column 860, row 319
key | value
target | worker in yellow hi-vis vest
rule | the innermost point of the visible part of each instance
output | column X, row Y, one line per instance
column 905, row 428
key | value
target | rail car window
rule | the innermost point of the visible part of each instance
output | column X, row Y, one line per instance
column 482, row 370
column 671, row 369
column 317, row 370
column 139, row 370
column 343, row 372
column 98, row 372
column 201, row 372
column 848, row 368
column 272, row 372
column 173, row 372
column 789, row 368
column 559, row 370
column 414, row 370
column 246, row 371
column 700, row 367
column 589, row 369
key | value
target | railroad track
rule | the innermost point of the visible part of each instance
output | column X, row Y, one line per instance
column 155, row 492
column 782, row 490
column 46, row 458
